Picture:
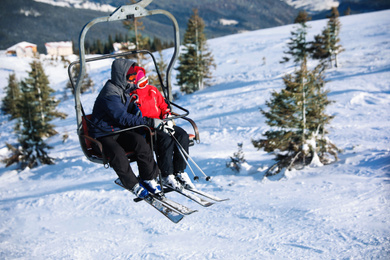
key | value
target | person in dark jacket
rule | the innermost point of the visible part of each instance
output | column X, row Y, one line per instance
column 111, row 113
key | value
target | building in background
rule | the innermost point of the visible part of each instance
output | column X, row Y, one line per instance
column 59, row 48
column 22, row 49
column 123, row 46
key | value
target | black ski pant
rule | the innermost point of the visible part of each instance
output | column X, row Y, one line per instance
column 114, row 148
column 169, row 159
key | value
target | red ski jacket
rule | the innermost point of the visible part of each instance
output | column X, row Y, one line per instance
column 150, row 101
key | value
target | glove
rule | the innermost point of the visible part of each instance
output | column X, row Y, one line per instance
column 154, row 123
column 168, row 127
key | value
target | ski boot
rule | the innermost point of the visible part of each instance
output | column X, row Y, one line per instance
column 172, row 182
column 183, row 178
column 139, row 191
column 153, row 187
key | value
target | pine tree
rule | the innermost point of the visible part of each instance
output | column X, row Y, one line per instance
column 108, row 46
column 157, row 45
column 119, row 37
column 98, row 47
column 325, row 46
column 237, row 159
column 162, row 67
column 298, row 121
column 297, row 113
column 334, row 26
column 298, row 47
column 32, row 130
column 320, row 47
column 195, row 61
column 141, row 42
column 86, row 84
column 37, row 109
column 347, row 11
column 10, row 101
column 39, row 84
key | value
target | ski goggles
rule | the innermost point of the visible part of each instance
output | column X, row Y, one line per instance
column 142, row 83
column 131, row 77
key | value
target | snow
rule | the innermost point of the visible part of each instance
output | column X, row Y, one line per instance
column 22, row 45
column 313, row 5
column 80, row 4
column 29, row 12
column 59, row 44
column 308, row 5
column 73, row 210
column 228, row 22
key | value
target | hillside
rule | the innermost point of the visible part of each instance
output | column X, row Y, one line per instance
column 37, row 22
column 27, row 20
column 43, row 21
column 73, row 210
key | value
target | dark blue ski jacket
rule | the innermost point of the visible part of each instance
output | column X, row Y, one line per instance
column 110, row 111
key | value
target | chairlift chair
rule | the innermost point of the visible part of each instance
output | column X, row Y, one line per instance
column 91, row 147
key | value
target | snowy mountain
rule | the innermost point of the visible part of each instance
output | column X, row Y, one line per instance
column 313, row 5
column 80, row 4
column 48, row 20
column 319, row 9
column 73, row 210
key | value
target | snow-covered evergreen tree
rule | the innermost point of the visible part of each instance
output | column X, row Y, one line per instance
column 37, row 108
column 237, row 159
column 298, row 121
column 297, row 113
column 320, row 47
column 10, row 101
column 298, row 47
column 334, row 26
column 325, row 46
column 86, row 84
column 196, row 60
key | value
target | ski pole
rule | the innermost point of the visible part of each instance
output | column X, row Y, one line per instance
column 196, row 178
column 186, row 154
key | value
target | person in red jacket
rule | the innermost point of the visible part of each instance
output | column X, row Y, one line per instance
column 152, row 104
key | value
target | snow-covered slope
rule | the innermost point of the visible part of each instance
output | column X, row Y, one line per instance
column 73, row 210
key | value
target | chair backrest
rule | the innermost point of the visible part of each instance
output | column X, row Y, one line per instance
column 88, row 143
column 92, row 146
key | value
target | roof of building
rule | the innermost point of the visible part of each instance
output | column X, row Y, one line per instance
column 59, row 44
column 21, row 45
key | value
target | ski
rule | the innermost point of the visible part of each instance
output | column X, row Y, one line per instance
column 189, row 195
column 164, row 200
column 171, row 214
column 207, row 195
column 176, row 206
